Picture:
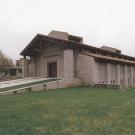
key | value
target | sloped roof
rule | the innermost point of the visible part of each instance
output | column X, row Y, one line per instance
column 40, row 41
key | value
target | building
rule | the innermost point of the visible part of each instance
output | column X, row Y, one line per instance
column 62, row 55
column 16, row 70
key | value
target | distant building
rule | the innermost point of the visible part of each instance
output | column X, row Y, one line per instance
column 19, row 63
column 65, row 56
column 16, row 70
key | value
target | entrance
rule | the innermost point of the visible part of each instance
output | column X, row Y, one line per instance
column 52, row 69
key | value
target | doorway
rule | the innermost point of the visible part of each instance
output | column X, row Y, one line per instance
column 52, row 69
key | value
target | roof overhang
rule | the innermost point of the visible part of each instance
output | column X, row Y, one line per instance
column 40, row 41
column 110, row 59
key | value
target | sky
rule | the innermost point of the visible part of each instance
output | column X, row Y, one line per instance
column 99, row 22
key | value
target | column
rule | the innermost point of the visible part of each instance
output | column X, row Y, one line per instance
column 125, row 76
column 109, row 73
column 118, row 74
column 34, row 67
column 96, row 72
column 25, row 69
column 132, row 76
column 68, row 64
column 17, row 72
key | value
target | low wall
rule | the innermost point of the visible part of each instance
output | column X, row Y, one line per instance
column 64, row 83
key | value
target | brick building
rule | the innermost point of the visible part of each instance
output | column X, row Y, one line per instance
column 62, row 55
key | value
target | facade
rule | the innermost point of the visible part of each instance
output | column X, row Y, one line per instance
column 65, row 56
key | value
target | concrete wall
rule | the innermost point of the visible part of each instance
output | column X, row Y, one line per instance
column 25, row 68
column 111, row 49
column 122, row 75
column 129, row 75
column 133, row 75
column 86, row 69
column 118, row 74
column 71, row 64
column 110, row 73
column 113, row 74
column 68, row 64
column 38, row 65
column 54, row 53
column 96, row 72
column 102, row 69
column 32, row 68
column 59, row 35
column 65, row 83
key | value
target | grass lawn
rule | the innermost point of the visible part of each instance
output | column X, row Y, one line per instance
column 26, row 85
column 73, row 111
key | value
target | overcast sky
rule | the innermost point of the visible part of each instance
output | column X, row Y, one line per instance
column 100, row 22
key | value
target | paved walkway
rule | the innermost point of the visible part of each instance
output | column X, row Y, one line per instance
column 20, row 83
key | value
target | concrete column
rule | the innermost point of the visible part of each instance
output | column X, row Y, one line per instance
column 34, row 67
column 86, row 69
column 118, row 74
column 125, row 76
column 132, row 76
column 68, row 64
column 42, row 68
column 109, row 73
column 25, row 68
column 17, row 72
column 96, row 72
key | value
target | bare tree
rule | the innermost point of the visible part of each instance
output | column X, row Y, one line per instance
column 5, row 62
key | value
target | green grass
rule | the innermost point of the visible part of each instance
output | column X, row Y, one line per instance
column 74, row 111
column 26, row 85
